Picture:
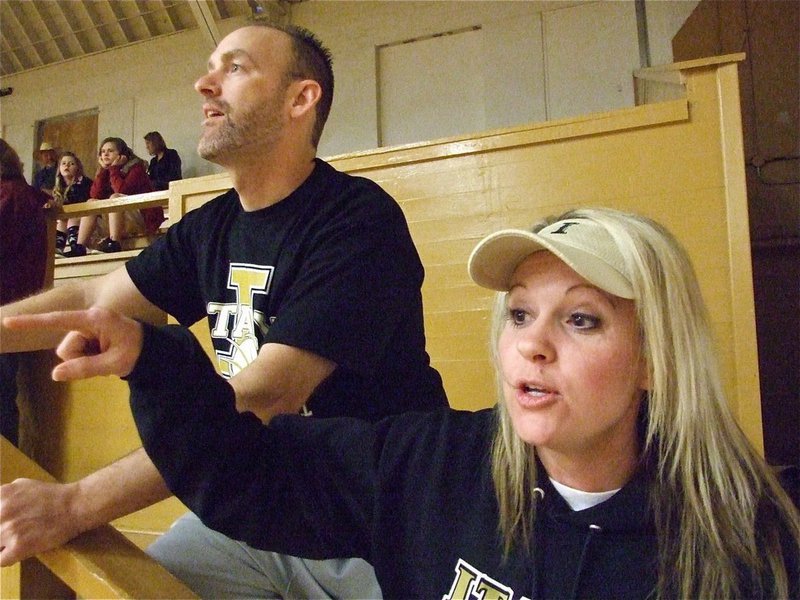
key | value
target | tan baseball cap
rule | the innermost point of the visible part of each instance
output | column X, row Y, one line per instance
column 582, row 244
column 46, row 146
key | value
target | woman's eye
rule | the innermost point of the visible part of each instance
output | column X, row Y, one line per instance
column 516, row 316
column 235, row 67
column 584, row 321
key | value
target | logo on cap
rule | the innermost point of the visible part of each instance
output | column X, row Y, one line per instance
column 564, row 226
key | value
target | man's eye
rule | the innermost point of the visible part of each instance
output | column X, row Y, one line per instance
column 584, row 321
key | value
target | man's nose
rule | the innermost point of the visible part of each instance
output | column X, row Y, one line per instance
column 207, row 85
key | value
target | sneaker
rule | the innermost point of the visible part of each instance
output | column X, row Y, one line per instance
column 61, row 240
column 74, row 250
column 72, row 235
column 109, row 245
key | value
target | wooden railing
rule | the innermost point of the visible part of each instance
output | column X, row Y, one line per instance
column 97, row 264
column 101, row 563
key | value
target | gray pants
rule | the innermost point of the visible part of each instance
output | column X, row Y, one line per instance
column 215, row 566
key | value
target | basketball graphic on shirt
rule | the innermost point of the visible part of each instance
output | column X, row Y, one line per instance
column 238, row 328
column 242, row 353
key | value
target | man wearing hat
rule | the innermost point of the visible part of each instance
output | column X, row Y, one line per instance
column 45, row 178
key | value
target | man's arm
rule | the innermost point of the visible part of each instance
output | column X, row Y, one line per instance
column 221, row 461
column 34, row 515
column 114, row 290
column 280, row 380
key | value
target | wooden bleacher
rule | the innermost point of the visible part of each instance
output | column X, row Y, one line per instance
column 101, row 563
column 677, row 157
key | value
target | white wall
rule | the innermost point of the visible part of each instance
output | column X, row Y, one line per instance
column 664, row 19
column 149, row 86
column 138, row 88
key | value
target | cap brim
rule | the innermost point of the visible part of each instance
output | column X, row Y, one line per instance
column 496, row 257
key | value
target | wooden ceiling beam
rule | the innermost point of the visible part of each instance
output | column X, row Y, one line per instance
column 68, row 31
column 57, row 41
column 205, row 20
column 155, row 17
column 82, row 24
column 36, row 59
column 8, row 55
column 121, row 20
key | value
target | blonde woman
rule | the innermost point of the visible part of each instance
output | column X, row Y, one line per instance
column 610, row 468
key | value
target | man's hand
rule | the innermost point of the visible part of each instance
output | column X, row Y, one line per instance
column 99, row 342
column 34, row 516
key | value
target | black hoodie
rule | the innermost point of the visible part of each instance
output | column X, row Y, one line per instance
column 412, row 494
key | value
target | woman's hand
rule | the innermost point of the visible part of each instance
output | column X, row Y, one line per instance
column 119, row 161
column 99, row 341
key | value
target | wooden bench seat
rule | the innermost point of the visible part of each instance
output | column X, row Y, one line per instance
column 101, row 563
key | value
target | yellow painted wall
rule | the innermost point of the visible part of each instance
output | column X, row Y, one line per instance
column 679, row 162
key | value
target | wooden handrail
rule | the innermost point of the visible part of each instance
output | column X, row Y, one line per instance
column 101, row 563
column 99, row 207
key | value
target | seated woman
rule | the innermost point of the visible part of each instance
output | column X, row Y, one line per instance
column 71, row 187
column 611, row 466
column 165, row 166
column 120, row 173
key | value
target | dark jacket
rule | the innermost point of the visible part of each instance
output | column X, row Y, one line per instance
column 412, row 494
column 23, row 239
column 45, row 177
column 161, row 172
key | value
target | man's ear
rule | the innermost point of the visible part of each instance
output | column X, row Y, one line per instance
column 305, row 94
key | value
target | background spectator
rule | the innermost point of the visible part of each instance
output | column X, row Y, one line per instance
column 45, row 177
column 23, row 261
column 165, row 166
column 71, row 187
column 120, row 173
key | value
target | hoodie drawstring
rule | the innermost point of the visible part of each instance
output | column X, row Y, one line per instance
column 593, row 529
column 538, row 496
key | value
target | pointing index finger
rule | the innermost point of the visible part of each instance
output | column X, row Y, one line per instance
column 66, row 320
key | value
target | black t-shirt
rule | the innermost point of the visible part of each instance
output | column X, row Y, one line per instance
column 331, row 269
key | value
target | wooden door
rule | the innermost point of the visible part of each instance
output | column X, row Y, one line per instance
column 76, row 133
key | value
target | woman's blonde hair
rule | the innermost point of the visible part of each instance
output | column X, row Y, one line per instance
column 719, row 510
column 61, row 187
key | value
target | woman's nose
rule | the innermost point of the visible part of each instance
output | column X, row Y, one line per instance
column 535, row 342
